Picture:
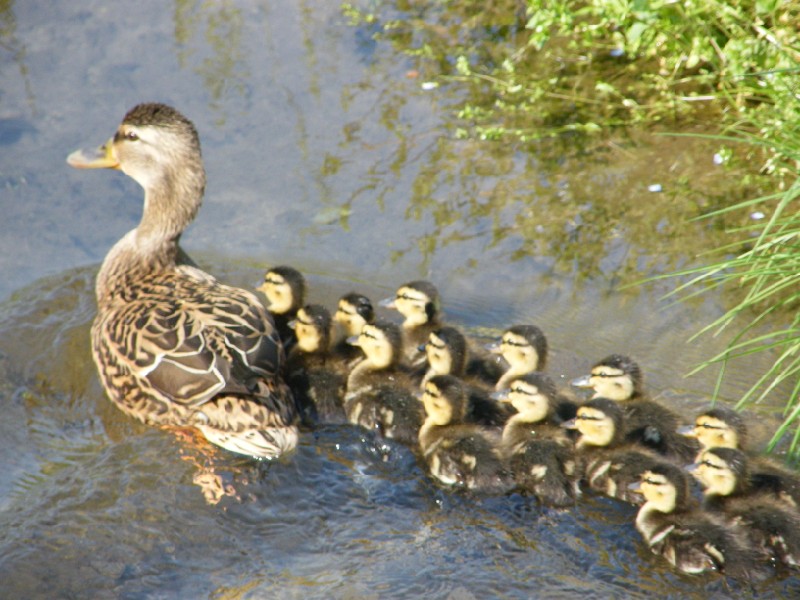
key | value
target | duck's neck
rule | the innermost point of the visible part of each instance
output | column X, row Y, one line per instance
column 153, row 246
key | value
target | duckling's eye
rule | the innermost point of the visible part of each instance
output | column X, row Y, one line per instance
column 708, row 463
column 707, row 426
column 519, row 390
column 587, row 418
column 650, row 481
column 515, row 344
column 131, row 136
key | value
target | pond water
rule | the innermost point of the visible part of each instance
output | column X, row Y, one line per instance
column 322, row 152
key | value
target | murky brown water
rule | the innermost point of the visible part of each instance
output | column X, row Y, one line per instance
column 323, row 154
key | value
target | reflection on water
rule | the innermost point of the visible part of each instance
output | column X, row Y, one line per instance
column 323, row 153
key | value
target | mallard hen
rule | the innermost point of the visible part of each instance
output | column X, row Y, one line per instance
column 173, row 346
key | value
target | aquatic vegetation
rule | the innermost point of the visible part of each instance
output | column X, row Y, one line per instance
column 557, row 68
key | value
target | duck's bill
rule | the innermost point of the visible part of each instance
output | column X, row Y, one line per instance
column 582, row 382
column 500, row 396
column 100, row 158
column 388, row 303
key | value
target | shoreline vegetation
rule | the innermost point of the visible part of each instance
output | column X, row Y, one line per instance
column 537, row 69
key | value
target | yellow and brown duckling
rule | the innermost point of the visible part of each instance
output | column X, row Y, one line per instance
column 311, row 372
column 353, row 311
column 419, row 303
column 285, row 290
column 524, row 348
column 607, row 461
column 647, row 422
column 447, row 354
column 173, row 346
column 722, row 427
column 457, row 453
column 717, row 427
column 690, row 539
column 379, row 393
column 539, row 452
column 770, row 523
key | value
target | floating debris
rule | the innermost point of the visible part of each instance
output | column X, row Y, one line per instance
column 757, row 215
column 654, row 187
column 429, row 85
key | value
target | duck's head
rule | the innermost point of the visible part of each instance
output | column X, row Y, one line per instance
column 417, row 301
column 599, row 423
column 381, row 342
column 616, row 377
column 285, row 289
column 312, row 327
column 532, row 396
column 445, row 400
column 524, row 347
column 718, row 427
column 721, row 471
column 159, row 148
column 353, row 312
column 664, row 487
column 446, row 351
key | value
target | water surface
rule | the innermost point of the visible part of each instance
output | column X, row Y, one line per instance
column 321, row 152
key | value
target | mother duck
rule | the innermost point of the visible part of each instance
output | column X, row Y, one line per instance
column 173, row 346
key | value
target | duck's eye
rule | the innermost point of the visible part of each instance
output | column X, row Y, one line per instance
column 585, row 417
column 131, row 136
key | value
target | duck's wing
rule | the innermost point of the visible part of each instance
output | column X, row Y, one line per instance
column 189, row 340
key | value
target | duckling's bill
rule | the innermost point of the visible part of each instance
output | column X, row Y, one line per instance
column 103, row 157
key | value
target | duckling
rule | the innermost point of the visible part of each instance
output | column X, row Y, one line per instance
column 608, row 462
column 446, row 353
column 725, row 428
column 647, row 422
column 718, row 426
column 538, row 450
column 378, row 393
column 285, row 289
column 352, row 313
column 173, row 346
column 418, row 302
column 457, row 453
column 524, row 348
column 770, row 524
column 690, row 539
column 317, row 385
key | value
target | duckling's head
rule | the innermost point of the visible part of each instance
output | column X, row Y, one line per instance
column 159, row 148
column 532, row 396
column 616, row 377
column 524, row 347
column 599, row 422
column 664, row 486
column 445, row 400
column 285, row 289
column 721, row 471
column 381, row 342
column 353, row 312
column 312, row 327
column 446, row 351
column 417, row 301
column 718, row 427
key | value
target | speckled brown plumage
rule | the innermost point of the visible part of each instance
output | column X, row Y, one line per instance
column 172, row 345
